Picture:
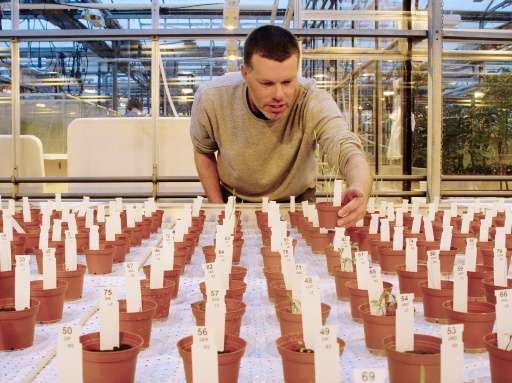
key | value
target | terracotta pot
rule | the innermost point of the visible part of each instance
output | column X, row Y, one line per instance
column 161, row 296
column 59, row 258
column 119, row 366
column 376, row 328
column 340, row 279
column 32, row 239
column 433, row 299
column 182, row 251
column 500, row 360
column 82, row 241
column 298, row 367
column 319, row 242
column 405, row 367
column 424, row 246
column 475, row 278
column 135, row 235
column 52, row 300
column 7, row 284
column 261, row 218
column 391, row 259
column 271, row 276
column 138, row 322
column 280, row 293
column 74, row 279
column 123, row 242
column 271, row 259
column 364, row 240
column 359, row 297
column 146, row 227
column 480, row 246
column 229, row 360
column 172, row 275
column 17, row 327
column 235, row 311
column 490, row 287
column 100, row 261
column 294, row 218
column 488, row 256
column 409, row 282
column 327, row 214
column 17, row 246
column 236, row 289
column 478, row 321
column 333, row 260
column 459, row 240
column 292, row 323
column 374, row 242
column 238, row 273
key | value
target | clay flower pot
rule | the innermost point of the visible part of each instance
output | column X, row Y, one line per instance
column 319, row 242
column 476, row 289
column 271, row 259
column 488, row 256
column 271, row 276
column 229, row 359
column 100, row 261
column 433, row 300
column 490, row 287
column 405, row 367
column 376, row 328
column 17, row 327
column 478, row 321
column 424, row 246
column 235, row 311
column 340, row 279
column 74, row 279
column 138, row 322
column 359, row 297
column 162, row 297
column 409, row 281
column 238, row 273
column 292, row 323
column 294, row 218
column 327, row 214
column 59, row 258
column 280, row 293
column 391, row 259
column 118, row 365
column 500, row 360
column 298, row 367
column 332, row 259
column 52, row 301
column 236, row 289
column 172, row 275
column 7, row 284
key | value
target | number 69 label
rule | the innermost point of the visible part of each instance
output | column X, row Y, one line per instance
column 369, row 375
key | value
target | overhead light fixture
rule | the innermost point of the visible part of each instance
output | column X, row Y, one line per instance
column 388, row 93
column 187, row 91
column 231, row 14
column 479, row 94
column 90, row 91
column 41, row 105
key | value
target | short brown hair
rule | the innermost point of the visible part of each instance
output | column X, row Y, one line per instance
column 271, row 42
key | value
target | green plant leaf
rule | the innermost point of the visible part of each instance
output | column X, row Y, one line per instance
column 466, row 160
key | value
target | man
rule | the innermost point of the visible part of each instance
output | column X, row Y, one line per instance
column 264, row 126
column 134, row 108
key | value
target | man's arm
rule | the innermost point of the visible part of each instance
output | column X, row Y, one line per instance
column 206, row 165
column 354, row 199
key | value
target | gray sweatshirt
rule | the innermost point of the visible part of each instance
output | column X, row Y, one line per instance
column 256, row 157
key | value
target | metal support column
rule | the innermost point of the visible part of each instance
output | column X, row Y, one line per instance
column 407, row 103
column 155, row 106
column 115, row 75
column 15, row 111
column 435, row 99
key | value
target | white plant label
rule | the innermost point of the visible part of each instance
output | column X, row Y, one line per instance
column 156, row 277
column 89, row 218
column 470, row 254
column 429, row 232
column 500, row 267
column 69, row 354
column 292, row 204
column 22, row 283
column 454, row 209
column 384, row 230
column 57, row 230
column 464, row 228
column 311, row 310
column 432, row 208
column 398, row 238
column 212, row 279
column 375, row 290
column 346, row 256
column 300, row 273
column 499, row 239
column 503, row 324
column 370, row 207
column 94, row 238
column 411, row 255
column 264, row 204
column 133, row 293
column 196, row 206
column 130, row 217
column 215, row 315
column 326, row 356
column 404, row 333
column 336, row 200
column 109, row 320
column 100, row 216
column 433, row 269
column 287, row 262
column 5, row 253
column 383, row 207
column 471, row 212
column 501, row 205
column 460, row 288
column 43, row 238
column 446, row 239
column 168, row 249
column 452, row 353
column 339, row 235
column 362, row 269
column 70, row 253
column 374, row 224
column 49, row 269
column 416, row 224
column 205, row 366
column 27, row 217
column 110, row 230
column 58, row 201
column 484, row 231
column 369, row 375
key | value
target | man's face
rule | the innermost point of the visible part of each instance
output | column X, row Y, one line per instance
column 271, row 84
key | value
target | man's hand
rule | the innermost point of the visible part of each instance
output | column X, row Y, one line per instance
column 353, row 201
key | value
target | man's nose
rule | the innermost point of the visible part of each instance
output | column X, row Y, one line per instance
column 278, row 92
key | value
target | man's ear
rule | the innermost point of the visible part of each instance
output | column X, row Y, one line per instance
column 244, row 70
